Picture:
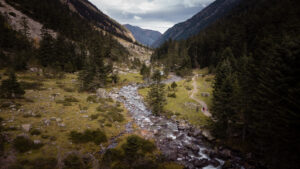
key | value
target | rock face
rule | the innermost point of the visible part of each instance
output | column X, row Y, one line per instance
column 198, row 22
column 144, row 36
column 101, row 20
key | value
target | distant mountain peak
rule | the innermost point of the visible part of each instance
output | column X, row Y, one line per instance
column 144, row 36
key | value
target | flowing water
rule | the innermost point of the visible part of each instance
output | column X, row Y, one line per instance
column 177, row 141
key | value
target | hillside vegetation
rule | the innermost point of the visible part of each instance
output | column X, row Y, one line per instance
column 254, row 54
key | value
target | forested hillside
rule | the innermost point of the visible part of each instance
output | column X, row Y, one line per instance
column 198, row 22
column 255, row 54
column 68, row 51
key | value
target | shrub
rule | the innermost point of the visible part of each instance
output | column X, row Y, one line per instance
column 72, row 161
column 92, row 99
column 70, row 99
column 101, row 109
column 95, row 136
column 31, row 85
column 136, row 146
column 67, row 104
column 35, row 132
column 23, row 144
column 172, row 95
column 114, row 116
column 177, row 114
column 108, row 125
column 111, row 155
column 94, row 116
column 67, row 89
column 44, row 163
column 188, row 88
column 10, row 88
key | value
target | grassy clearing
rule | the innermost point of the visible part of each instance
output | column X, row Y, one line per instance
column 130, row 78
column 55, row 112
column 182, row 105
column 204, row 84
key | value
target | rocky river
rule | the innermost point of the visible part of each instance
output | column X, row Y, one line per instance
column 177, row 140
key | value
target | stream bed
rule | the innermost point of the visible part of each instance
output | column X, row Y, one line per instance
column 177, row 140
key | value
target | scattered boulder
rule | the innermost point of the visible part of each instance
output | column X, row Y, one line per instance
column 37, row 141
column 61, row 125
column 26, row 127
column 214, row 162
column 171, row 155
column 192, row 147
column 85, row 116
column 53, row 118
column 58, row 120
column 226, row 153
column 46, row 122
column 205, row 94
column 102, row 93
column 201, row 163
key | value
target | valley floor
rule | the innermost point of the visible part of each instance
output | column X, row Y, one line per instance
column 52, row 108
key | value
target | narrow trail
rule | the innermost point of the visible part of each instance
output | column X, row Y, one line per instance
column 202, row 103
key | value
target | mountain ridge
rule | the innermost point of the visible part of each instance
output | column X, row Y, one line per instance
column 198, row 22
column 144, row 36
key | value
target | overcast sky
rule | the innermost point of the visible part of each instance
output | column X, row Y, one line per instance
column 151, row 14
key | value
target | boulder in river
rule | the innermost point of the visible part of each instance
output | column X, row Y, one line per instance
column 201, row 163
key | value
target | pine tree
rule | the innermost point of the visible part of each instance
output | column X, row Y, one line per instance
column 174, row 85
column 156, row 96
column 145, row 72
column 10, row 88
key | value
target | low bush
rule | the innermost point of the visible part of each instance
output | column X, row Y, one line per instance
column 95, row 136
column 108, row 125
column 68, row 89
column 92, row 99
column 173, row 95
column 72, row 161
column 114, row 116
column 67, row 104
column 94, row 116
column 188, row 88
column 132, row 154
column 70, row 99
column 43, row 163
column 35, row 132
column 31, row 85
column 24, row 144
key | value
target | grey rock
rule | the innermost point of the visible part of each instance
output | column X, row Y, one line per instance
column 102, row 93
column 61, row 125
column 201, row 163
column 26, row 127
column 37, row 141
column 53, row 118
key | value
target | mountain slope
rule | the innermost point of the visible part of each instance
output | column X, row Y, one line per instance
column 198, row 22
column 144, row 36
column 95, row 16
